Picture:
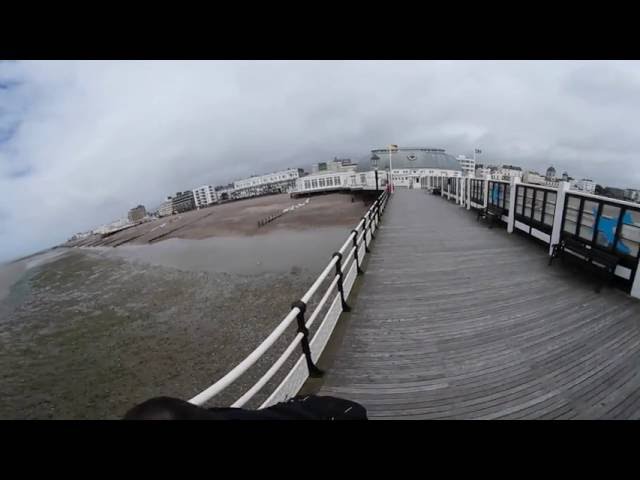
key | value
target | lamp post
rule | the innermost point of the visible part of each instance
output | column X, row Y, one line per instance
column 478, row 151
column 392, row 148
column 374, row 163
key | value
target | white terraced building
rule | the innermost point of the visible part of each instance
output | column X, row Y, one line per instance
column 336, row 165
column 281, row 181
column 586, row 185
column 507, row 172
column 335, row 181
column 468, row 165
column 204, row 196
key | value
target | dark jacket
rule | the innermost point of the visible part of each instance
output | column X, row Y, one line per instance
column 304, row 407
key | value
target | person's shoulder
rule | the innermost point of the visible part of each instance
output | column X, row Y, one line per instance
column 316, row 407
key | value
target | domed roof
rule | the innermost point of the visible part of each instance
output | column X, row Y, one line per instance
column 410, row 158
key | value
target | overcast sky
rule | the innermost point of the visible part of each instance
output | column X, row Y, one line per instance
column 82, row 142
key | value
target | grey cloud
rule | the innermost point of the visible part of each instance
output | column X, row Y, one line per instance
column 95, row 138
column 610, row 86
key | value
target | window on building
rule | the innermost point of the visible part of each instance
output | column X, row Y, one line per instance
column 321, row 182
column 329, row 182
column 307, row 184
column 314, row 183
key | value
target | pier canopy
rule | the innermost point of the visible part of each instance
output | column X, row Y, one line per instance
column 410, row 158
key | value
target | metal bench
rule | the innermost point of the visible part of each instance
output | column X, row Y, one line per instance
column 600, row 262
column 491, row 212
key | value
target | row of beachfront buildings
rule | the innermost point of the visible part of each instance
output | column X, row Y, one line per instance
column 282, row 181
column 406, row 166
column 403, row 166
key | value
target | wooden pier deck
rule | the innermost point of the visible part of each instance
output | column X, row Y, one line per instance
column 455, row 320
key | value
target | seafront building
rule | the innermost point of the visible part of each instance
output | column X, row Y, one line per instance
column 337, row 165
column 136, row 214
column 406, row 166
column 614, row 192
column 282, row 181
column 586, row 185
column 482, row 171
column 534, row 178
column 166, row 208
column 632, row 195
column 224, row 192
column 507, row 172
column 204, row 196
column 468, row 165
column 183, row 202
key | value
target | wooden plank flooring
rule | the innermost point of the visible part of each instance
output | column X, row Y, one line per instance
column 455, row 320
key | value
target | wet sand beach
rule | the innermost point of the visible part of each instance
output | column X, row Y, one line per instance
column 240, row 218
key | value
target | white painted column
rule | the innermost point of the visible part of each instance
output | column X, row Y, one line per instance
column 486, row 190
column 635, row 288
column 469, row 193
column 513, row 188
column 442, row 186
column 563, row 188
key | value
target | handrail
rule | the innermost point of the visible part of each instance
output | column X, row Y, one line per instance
column 296, row 312
column 539, row 187
column 244, row 365
column 307, row 296
column 602, row 198
column 269, row 374
column 321, row 303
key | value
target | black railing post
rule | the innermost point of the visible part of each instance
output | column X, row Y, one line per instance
column 364, row 228
column 314, row 371
column 355, row 251
column 378, row 211
column 345, row 307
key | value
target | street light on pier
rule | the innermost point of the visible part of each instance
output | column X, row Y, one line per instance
column 475, row 151
column 374, row 164
column 392, row 148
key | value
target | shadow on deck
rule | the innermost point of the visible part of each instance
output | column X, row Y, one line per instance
column 455, row 320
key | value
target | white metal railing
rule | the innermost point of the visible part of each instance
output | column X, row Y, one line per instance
column 346, row 262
